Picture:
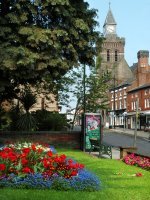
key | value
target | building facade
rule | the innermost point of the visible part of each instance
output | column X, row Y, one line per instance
column 138, row 98
column 138, row 102
column 132, row 110
column 118, row 106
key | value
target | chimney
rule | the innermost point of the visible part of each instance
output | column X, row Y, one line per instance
column 143, row 56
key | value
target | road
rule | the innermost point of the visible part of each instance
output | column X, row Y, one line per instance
column 117, row 139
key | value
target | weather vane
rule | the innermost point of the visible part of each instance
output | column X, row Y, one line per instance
column 109, row 4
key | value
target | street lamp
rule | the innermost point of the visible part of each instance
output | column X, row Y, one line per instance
column 84, row 89
column 136, row 121
column 114, row 103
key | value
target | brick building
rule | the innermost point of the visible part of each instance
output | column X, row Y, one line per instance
column 118, row 105
column 138, row 101
column 138, row 98
column 132, row 99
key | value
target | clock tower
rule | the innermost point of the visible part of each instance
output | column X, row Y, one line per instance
column 112, row 52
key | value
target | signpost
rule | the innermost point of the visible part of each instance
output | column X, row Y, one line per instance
column 92, row 128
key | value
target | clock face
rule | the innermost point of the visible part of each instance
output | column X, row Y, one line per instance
column 110, row 29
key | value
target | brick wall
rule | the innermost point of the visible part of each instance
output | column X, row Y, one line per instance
column 57, row 139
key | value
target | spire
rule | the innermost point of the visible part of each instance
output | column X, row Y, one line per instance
column 110, row 18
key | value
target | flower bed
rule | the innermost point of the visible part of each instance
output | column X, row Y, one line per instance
column 29, row 165
column 132, row 159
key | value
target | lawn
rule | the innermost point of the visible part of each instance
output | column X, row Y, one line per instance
column 118, row 182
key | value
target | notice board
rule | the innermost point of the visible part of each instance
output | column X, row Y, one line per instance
column 92, row 128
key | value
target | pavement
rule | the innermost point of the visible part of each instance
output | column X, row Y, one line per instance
column 115, row 154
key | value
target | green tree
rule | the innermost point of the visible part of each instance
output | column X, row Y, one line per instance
column 42, row 40
column 97, row 95
column 96, row 89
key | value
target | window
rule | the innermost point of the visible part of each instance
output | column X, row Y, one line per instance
column 146, row 92
column 120, row 105
column 132, row 105
column 112, row 106
column 116, row 55
column 125, row 103
column 108, row 55
column 116, row 106
column 147, row 103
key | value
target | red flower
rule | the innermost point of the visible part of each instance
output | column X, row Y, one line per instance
column 27, row 170
column 49, row 153
column 73, row 173
column 26, row 150
column 33, row 147
column 139, row 174
column 40, row 150
column 2, row 167
column 24, row 161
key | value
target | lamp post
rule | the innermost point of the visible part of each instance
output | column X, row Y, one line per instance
column 136, row 121
column 84, row 89
column 114, row 103
column 84, row 108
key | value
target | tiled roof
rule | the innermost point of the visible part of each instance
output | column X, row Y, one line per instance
column 140, row 87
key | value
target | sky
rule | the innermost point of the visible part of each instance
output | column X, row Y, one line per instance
column 133, row 23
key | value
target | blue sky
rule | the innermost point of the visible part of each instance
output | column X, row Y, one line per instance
column 133, row 23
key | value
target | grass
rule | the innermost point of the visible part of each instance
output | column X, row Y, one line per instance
column 118, row 182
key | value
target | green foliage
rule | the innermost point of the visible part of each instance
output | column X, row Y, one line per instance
column 27, row 99
column 26, row 122
column 47, row 121
column 96, row 87
column 44, row 38
column 5, row 120
column 97, row 95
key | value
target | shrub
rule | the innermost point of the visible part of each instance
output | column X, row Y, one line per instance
column 47, row 121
